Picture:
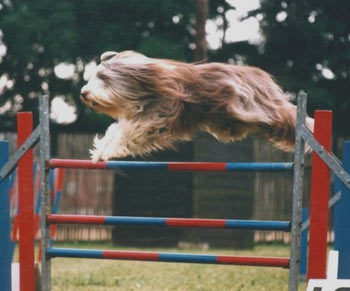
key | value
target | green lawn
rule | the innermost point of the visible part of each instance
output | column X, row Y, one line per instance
column 84, row 274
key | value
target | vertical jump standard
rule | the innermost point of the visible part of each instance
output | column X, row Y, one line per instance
column 294, row 226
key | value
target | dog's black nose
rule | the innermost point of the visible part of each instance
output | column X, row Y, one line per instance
column 83, row 94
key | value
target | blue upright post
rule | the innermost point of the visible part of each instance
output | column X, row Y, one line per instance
column 303, row 244
column 342, row 220
column 5, row 242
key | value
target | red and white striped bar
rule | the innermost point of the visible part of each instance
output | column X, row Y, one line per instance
column 278, row 262
column 172, row 166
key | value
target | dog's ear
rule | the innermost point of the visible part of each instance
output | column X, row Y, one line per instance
column 107, row 55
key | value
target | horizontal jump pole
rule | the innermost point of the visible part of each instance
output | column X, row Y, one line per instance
column 172, row 166
column 167, row 257
column 169, row 222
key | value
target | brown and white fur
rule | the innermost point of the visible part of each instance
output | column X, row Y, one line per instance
column 158, row 102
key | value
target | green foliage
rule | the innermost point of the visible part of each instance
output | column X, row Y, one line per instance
column 314, row 36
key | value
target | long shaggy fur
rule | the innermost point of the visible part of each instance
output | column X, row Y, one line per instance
column 158, row 102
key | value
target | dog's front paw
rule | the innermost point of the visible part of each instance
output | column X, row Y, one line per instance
column 95, row 155
column 114, row 152
column 110, row 146
column 97, row 150
column 104, row 154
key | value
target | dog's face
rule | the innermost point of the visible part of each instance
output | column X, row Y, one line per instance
column 129, row 85
column 106, row 88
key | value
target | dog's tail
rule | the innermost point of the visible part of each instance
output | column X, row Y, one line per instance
column 283, row 132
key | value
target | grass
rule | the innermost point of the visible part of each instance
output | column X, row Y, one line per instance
column 97, row 275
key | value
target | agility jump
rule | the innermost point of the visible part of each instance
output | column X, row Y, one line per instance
column 48, row 252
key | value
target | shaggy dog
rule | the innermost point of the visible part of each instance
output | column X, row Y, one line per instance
column 158, row 102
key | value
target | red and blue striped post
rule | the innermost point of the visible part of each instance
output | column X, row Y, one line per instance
column 320, row 178
column 26, row 204
column 168, row 257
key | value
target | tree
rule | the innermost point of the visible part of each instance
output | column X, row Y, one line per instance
column 307, row 46
column 201, row 51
